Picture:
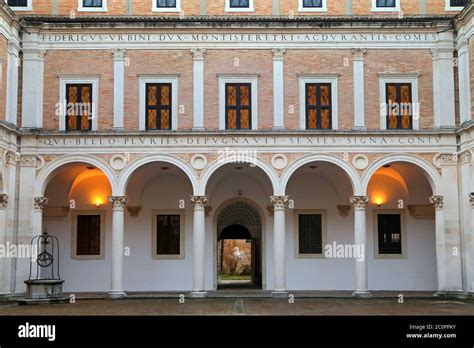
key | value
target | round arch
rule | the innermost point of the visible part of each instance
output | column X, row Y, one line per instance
column 128, row 172
column 46, row 173
column 209, row 171
column 430, row 173
column 351, row 173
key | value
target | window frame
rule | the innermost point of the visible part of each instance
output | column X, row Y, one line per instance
column 403, row 234
column 302, row 8
column 182, row 232
column 375, row 8
column 399, row 78
column 85, row 79
column 77, row 213
column 319, row 78
column 238, row 107
column 323, row 213
column 28, row 7
column 155, row 8
column 448, row 7
column 239, row 9
column 82, row 8
column 253, row 81
column 171, row 79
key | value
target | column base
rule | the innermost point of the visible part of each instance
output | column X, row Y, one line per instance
column 198, row 294
column 362, row 294
column 117, row 294
column 453, row 294
column 199, row 129
column 278, row 129
column 280, row 294
column 118, row 129
column 359, row 128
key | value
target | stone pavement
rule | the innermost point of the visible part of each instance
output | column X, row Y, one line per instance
column 247, row 306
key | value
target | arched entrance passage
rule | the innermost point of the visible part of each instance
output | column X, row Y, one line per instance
column 239, row 246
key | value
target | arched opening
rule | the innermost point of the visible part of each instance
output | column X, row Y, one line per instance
column 239, row 247
column 401, row 234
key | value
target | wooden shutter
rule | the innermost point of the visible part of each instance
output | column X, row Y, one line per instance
column 88, row 235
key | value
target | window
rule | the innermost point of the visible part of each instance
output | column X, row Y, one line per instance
column 455, row 5
column 79, row 103
column 166, row 6
column 318, row 102
column 389, row 234
column 239, row 6
column 20, row 5
column 310, row 233
column 158, row 106
column 168, row 235
column 92, row 5
column 385, row 5
column 159, row 102
column 79, row 107
column 312, row 5
column 88, row 240
column 238, row 106
column 238, row 102
column 399, row 106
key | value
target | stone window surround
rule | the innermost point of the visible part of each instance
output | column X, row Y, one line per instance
column 448, row 7
column 74, row 255
column 323, row 8
column 375, row 8
column 403, row 234
column 82, row 8
column 239, row 9
column 155, row 8
column 182, row 232
column 323, row 214
column 29, row 6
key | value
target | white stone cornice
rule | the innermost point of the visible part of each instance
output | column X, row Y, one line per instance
column 437, row 201
column 198, row 53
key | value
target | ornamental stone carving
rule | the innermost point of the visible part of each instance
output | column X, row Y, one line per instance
column 359, row 202
column 437, row 201
column 118, row 202
column 40, row 202
column 279, row 202
column 199, row 202
column 3, row 200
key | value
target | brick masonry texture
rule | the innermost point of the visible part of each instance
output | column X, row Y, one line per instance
column 3, row 78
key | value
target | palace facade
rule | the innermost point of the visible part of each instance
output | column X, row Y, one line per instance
column 336, row 137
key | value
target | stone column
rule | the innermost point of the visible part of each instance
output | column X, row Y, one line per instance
column 119, row 87
column 33, row 74
column 471, row 200
column 360, row 238
column 3, row 238
column 199, row 243
column 118, row 208
column 437, row 201
column 467, row 242
column 13, row 65
column 464, row 82
column 198, row 85
column 359, row 95
column 279, row 245
column 39, row 203
column 278, row 89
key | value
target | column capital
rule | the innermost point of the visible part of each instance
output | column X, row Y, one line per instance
column 465, row 157
column 471, row 199
column 118, row 202
column 198, row 53
column 359, row 53
column 39, row 203
column 359, row 201
column 278, row 53
column 437, row 201
column 13, row 48
column 462, row 46
column 448, row 159
column 3, row 200
column 279, row 202
column 199, row 202
column 119, row 53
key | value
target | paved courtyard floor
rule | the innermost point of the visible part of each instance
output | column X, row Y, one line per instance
column 247, row 306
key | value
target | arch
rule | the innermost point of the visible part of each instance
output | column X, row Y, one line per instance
column 235, row 232
column 351, row 173
column 430, row 173
column 141, row 161
column 209, row 171
column 46, row 173
column 239, row 212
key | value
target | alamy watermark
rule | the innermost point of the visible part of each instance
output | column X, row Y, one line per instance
column 9, row 250
column 237, row 156
column 345, row 251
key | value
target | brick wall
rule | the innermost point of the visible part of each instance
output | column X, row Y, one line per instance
column 189, row 8
column 155, row 63
column 86, row 62
column 3, row 78
column 115, row 7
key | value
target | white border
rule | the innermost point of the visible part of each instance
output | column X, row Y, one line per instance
column 155, row 8
column 182, row 231
column 323, row 214
column 75, row 79
column 239, row 9
column 253, row 80
column 74, row 255
column 323, row 8
column 173, row 79
column 385, row 9
column 398, row 78
column 448, row 7
column 319, row 78
column 29, row 6
column 403, row 232
column 82, row 8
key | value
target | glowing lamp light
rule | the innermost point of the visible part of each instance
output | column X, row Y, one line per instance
column 378, row 200
column 98, row 201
